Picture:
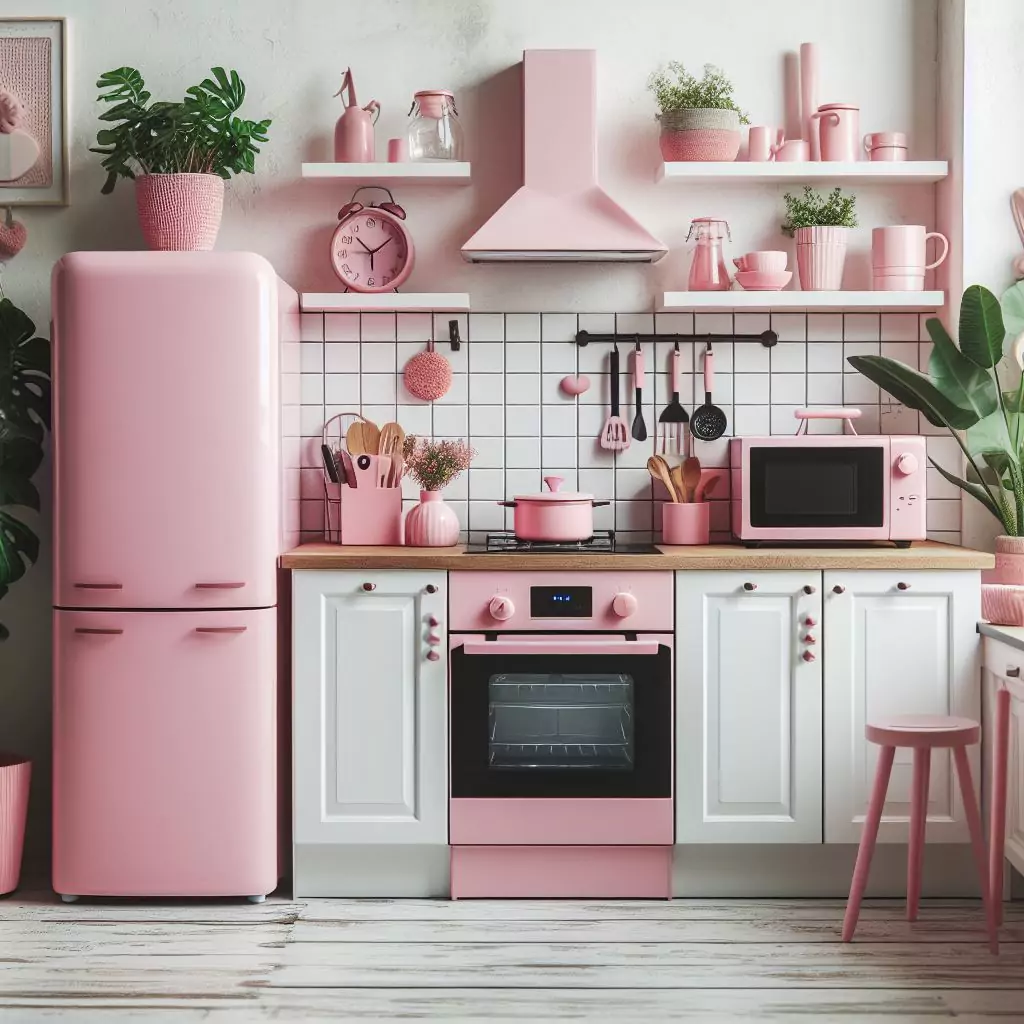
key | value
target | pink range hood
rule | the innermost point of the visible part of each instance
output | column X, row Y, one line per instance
column 561, row 213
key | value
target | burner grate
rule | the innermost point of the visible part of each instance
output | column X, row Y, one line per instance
column 603, row 540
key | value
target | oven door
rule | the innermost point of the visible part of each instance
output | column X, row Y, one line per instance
column 561, row 716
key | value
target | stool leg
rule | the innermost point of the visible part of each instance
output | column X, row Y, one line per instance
column 867, row 841
column 963, row 771
column 918, row 822
column 997, row 829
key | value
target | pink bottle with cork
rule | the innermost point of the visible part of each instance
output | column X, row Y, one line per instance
column 353, row 134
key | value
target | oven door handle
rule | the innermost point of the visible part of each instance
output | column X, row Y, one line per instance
column 640, row 647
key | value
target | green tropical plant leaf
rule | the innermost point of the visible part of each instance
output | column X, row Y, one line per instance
column 960, row 380
column 1012, row 304
column 981, row 327
column 19, row 548
column 914, row 390
column 976, row 491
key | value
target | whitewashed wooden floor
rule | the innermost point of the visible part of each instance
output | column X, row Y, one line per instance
column 698, row 960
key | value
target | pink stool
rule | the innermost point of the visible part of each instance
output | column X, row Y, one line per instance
column 922, row 733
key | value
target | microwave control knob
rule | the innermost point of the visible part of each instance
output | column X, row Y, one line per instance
column 624, row 605
column 906, row 464
column 501, row 608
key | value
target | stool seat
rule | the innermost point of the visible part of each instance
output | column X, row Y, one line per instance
column 923, row 731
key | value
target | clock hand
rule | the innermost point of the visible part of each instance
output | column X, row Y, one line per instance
column 364, row 245
column 382, row 244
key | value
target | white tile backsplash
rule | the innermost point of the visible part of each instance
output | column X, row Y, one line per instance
column 506, row 399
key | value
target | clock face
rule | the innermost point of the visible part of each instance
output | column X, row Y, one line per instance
column 371, row 251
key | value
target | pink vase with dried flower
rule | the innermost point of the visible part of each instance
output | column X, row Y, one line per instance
column 434, row 464
column 431, row 523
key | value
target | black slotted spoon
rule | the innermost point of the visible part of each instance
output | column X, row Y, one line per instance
column 708, row 423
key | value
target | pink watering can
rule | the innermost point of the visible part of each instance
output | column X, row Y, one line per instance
column 353, row 134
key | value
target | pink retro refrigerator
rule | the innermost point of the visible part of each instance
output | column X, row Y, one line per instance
column 168, row 523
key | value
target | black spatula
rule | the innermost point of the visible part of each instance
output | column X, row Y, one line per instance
column 639, row 427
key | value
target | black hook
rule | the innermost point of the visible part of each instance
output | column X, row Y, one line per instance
column 453, row 335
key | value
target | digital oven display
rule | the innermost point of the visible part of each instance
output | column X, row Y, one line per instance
column 561, row 602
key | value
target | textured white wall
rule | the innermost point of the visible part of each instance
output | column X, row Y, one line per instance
column 880, row 53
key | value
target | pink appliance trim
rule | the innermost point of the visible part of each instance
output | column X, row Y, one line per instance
column 529, row 821
column 544, row 646
column 566, row 872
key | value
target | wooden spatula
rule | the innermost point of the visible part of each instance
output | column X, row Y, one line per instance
column 362, row 438
column 392, row 437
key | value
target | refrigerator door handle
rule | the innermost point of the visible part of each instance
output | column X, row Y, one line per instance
column 219, row 586
column 95, row 631
column 221, row 629
column 99, row 586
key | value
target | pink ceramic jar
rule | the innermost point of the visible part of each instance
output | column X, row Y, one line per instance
column 432, row 523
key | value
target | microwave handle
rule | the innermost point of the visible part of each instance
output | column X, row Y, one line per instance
column 560, row 647
column 846, row 415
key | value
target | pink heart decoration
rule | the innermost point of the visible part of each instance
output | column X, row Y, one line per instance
column 13, row 237
column 575, row 385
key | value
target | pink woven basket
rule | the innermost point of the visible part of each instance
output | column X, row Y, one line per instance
column 702, row 144
column 1002, row 604
column 180, row 211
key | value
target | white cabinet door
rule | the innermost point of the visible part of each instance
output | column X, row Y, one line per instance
column 748, row 707
column 1014, row 846
column 369, row 707
column 896, row 643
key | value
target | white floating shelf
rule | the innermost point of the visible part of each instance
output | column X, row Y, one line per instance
column 723, row 301
column 354, row 302
column 906, row 172
column 408, row 173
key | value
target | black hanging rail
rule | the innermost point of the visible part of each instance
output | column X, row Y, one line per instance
column 583, row 338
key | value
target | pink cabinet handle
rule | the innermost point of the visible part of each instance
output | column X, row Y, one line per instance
column 433, row 639
column 369, row 586
column 221, row 629
column 1013, row 672
column 219, row 586
column 749, row 586
column 838, row 589
column 808, row 589
column 433, row 656
column 99, row 586
column 95, row 631
column 810, row 621
column 432, row 621
column 808, row 656
column 430, row 588
column 810, row 639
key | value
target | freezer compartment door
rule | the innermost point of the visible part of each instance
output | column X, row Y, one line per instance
column 165, row 753
column 166, row 453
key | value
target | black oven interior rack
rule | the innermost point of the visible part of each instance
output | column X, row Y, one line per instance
column 583, row 338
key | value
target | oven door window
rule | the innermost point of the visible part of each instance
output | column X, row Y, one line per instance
column 809, row 486
column 563, row 725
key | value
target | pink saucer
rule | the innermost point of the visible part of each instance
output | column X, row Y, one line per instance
column 761, row 281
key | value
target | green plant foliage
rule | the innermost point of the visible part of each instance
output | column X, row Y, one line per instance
column 199, row 135
column 24, row 419
column 813, row 210
column 962, row 392
column 676, row 89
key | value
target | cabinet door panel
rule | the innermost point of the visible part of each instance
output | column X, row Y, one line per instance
column 370, row 722
column 891, row 651
column 1015, row 787
column 749, row 708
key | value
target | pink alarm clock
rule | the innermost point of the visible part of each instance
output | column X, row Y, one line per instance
column 371, row 249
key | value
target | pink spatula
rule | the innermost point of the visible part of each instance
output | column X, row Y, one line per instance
column 615, row 433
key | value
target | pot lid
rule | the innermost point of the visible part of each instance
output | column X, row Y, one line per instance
column 554, row 494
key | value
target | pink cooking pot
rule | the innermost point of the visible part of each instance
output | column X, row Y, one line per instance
column 555, row 515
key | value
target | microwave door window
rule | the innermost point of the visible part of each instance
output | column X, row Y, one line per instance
column 817, row 487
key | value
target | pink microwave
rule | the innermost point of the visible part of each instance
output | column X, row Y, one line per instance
column 828, row 487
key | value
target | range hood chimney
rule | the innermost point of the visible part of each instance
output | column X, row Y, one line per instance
column 561, row 214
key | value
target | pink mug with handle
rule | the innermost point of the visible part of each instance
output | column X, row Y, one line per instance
column 902, row 247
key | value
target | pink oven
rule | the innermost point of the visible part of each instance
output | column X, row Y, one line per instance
column 828, row 487
column 561, row 734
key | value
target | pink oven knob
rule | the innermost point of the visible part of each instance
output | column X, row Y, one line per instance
column 624, row 605
column 906, row 464
column 501, row 608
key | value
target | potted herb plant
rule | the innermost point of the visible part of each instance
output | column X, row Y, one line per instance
column 24, row 420
column 820, row 225
column 963, row 393
column 699, row 118
column 434, row 464
column 179, row 153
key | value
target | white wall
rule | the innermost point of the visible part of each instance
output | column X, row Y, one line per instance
column 291, row 53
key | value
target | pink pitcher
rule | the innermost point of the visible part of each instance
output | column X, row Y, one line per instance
column 708, row 272
column 839, row 131
column 353, row 134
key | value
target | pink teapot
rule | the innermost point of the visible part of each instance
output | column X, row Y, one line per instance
column 353, row 134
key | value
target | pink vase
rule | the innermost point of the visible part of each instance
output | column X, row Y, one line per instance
column 15, row 774
column 820, row 255
column 432, row 523
column 180, row 211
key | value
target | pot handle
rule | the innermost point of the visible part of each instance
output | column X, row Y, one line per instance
column 507, row 504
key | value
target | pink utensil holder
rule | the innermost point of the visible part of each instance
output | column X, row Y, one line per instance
column 685, row 522
column 15, row 776
column 839, row 131
column 371, row 515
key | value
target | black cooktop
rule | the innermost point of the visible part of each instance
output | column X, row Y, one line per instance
column 603, row 542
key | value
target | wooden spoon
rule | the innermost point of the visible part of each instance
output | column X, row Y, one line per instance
column 658, row 468
column 707, row 489
column 691, row 477
column 362, row 438
column 392, row 436
column 676, row 473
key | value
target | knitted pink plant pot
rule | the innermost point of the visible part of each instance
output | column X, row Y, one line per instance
column 15, row 775
column 180, row 211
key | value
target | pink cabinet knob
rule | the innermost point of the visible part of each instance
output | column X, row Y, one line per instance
column 838, row 589
column 431, row 588
column 432, row 621
column 903, row 586
column 433, row 639
column 809, row 656
column 369, row 586
column 810, row 639
column 433, row 656
column 808, row 589
column 810, row 621
column 624, row 605
column 749, row 586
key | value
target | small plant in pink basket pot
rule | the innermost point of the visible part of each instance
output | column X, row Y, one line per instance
column 820, row 224
column 434, row 465
column 178, row 153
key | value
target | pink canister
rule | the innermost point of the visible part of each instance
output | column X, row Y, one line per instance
column 881, row 146
column 839, row 131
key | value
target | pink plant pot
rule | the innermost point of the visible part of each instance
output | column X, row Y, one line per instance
column 1002, row 604
column 1009, row 567
column 180, row 212
column 820, row 256
column 702, row 144
column 15, row 775
column 431, row 523
column 685, row 522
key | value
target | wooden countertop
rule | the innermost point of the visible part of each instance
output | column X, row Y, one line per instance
column 921, row 555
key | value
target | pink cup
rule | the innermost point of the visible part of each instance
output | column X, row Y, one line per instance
column 839, row 131
column 759, row 144
column 902, row 247
column 685, row 522
column 792, row 151
column 768, row 261
column 890, row 153
column 398, row 151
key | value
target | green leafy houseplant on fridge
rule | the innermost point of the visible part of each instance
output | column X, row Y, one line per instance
column 24, row 420
column 962, row 392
